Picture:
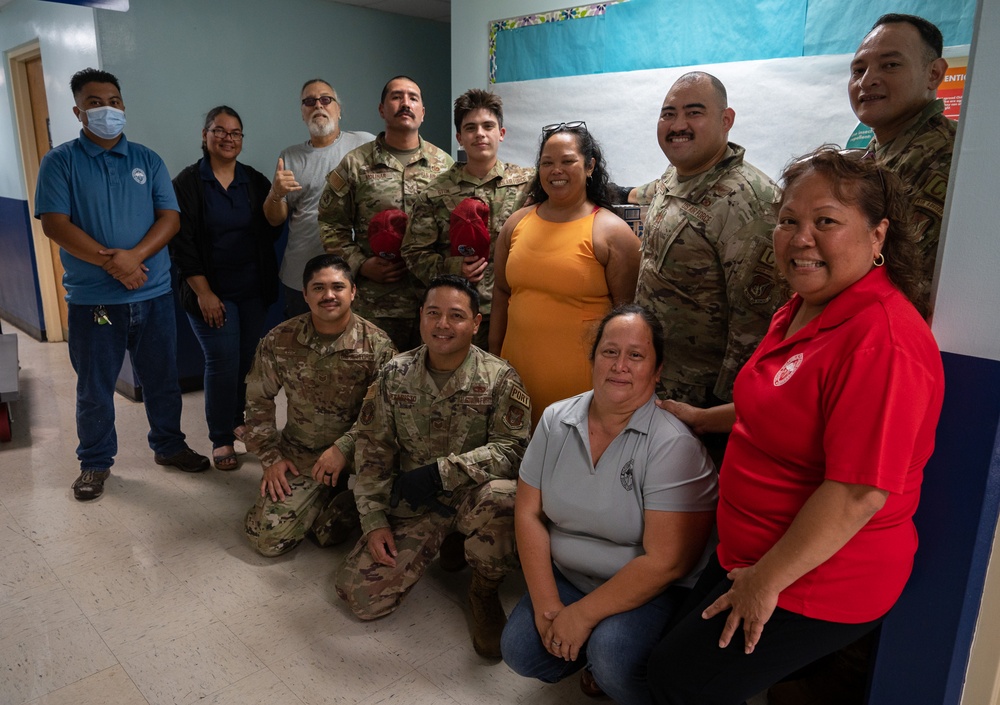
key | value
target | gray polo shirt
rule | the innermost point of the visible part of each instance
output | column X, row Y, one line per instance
column 596, row 514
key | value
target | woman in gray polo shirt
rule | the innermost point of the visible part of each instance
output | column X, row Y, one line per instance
column 615, row 506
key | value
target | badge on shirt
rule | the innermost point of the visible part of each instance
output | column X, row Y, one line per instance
column 787, row 370
column 514, row 418
column 626, row 475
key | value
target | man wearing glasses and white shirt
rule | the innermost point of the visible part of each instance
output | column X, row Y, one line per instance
column 298, row 183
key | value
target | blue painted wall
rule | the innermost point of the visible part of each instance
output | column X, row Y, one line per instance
column 20, row 301
column 924, row 646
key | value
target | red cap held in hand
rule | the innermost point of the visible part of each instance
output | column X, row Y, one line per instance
column 385, row 233
column 469, row 230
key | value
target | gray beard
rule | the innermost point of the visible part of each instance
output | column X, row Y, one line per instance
column 322, row 130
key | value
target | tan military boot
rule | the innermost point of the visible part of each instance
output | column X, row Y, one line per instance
column 488, row 618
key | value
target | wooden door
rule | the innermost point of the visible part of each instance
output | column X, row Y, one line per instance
column 43, row 143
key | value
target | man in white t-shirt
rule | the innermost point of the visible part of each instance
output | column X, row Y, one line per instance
column 298, row 183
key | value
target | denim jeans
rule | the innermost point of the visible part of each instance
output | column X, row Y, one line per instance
column 229, row 352
column 616, row 652
column 147, row 330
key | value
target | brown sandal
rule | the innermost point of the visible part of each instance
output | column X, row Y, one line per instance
column 227, row 462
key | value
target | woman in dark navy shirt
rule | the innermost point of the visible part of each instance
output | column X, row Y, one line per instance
column 228, row 270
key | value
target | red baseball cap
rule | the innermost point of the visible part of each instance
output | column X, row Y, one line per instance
column 469, row 229
column 385, row 233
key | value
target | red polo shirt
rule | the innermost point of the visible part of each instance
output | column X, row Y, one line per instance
column 854, row 397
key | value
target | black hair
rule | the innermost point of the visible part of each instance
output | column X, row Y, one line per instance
column 597, row 182
column 210, row 118
column 323, row 262
column 88, row 75
column 385, row 88
column 717, row 85
column 453, row 281
column 655, row 328
column 929, row 32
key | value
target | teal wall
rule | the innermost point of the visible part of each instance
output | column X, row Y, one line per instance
column 178, row 59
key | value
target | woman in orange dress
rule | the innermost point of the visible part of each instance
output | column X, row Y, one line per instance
column 560, row 264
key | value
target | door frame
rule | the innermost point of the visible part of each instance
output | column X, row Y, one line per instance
column 44, row 271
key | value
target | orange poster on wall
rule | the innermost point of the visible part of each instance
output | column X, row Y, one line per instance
column 953, row 86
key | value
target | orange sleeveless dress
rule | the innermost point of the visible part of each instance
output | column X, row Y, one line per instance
column 558, row 296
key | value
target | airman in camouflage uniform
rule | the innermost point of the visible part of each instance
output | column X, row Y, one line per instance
column 324, row 378
column 503, row 187
column 913, row 138
column 469, row 430
column 707, row 268
column 386, row 173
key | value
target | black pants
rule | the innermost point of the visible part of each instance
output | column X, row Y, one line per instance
column 688, row 668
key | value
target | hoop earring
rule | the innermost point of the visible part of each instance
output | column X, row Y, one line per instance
column 879, row 260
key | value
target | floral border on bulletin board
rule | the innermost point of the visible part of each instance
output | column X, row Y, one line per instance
column 572, row 13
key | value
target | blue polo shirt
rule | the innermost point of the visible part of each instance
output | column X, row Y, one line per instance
column 110, row 194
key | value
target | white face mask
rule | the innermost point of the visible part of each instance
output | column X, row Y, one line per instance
column 106, row 122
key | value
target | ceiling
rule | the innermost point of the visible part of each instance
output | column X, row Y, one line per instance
column 437, row 10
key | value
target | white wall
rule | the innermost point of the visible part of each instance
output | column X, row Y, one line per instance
column 68, row 42
column 967, row 308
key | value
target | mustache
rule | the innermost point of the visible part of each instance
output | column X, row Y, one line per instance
column 405, row 111
column 684, row 133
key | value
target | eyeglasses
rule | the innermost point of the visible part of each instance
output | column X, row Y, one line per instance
column 323, row 100
column 557, row 126
column 220, row 134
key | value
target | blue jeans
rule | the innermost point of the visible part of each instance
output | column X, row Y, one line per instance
column 147, row 330
column 229, row 352
column 616, row 652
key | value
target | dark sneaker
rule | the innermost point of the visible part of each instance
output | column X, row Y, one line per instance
column 187, row 460
column 453, row 553
column 90, row 484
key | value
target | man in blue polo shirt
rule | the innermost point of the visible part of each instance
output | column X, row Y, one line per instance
column 110, row 206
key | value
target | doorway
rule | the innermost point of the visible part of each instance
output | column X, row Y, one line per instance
column 32, row 118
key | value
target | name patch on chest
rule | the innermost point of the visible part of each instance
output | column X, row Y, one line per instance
column 403, row 399
column 371, row 176
column 699, row 213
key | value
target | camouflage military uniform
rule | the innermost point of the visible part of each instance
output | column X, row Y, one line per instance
column 427, row 247
column 476, row 429
column 324, row 382
column 369, row 180
column 921, row 157
column 707, row 273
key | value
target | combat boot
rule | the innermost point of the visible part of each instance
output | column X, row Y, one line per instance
column 488, row 618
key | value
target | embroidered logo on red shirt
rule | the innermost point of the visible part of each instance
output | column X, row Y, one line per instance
column 787, row 370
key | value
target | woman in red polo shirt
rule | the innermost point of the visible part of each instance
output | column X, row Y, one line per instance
column 832, row 424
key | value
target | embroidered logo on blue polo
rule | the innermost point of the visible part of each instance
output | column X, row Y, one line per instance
column 139, row 175
column 626, row 475
column 787, row 370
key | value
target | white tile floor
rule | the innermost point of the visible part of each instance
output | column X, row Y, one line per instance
column 150, row 594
